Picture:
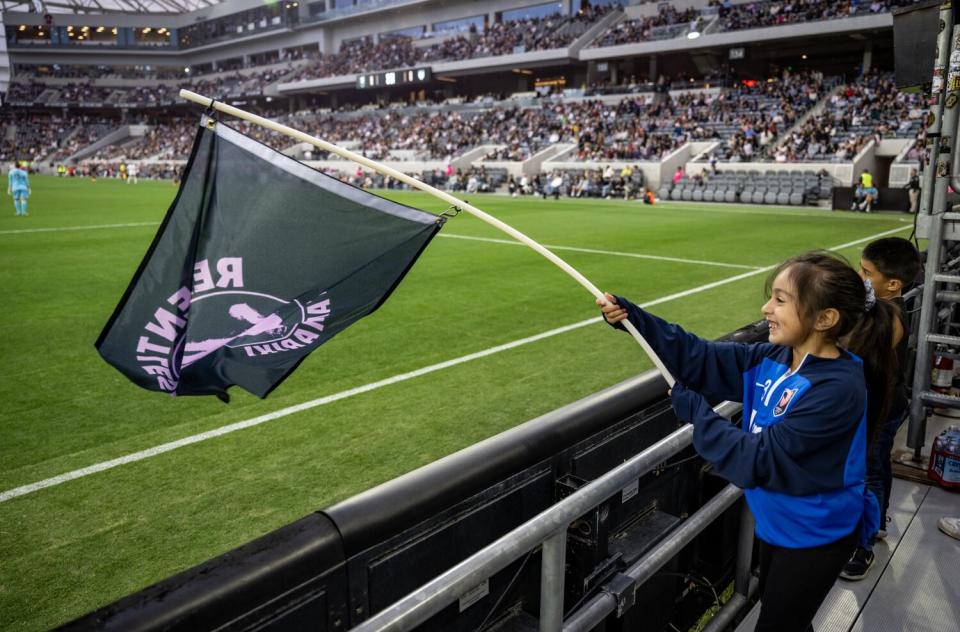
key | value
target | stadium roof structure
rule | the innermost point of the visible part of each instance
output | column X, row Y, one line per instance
column 106, row 6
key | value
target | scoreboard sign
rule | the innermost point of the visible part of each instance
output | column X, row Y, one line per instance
column 409, row 76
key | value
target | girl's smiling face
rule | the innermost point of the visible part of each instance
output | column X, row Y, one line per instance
column 782, row 313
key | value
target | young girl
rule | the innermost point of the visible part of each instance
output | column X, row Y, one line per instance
column 800, row 455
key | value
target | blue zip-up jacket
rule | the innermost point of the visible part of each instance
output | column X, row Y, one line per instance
column 801, row 453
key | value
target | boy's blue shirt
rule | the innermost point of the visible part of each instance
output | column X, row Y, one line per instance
column 800, row 455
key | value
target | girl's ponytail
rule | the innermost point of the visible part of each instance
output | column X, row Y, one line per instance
column 872, row 340
column 866, row 325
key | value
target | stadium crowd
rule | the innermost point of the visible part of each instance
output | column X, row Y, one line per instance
column 749, row 120
column 644, row 29
column 499, row 38
column 735, row 17
column 869, row 110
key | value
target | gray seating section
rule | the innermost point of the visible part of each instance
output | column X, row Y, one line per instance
column 784, row 188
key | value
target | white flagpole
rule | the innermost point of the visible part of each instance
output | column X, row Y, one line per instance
column 446, row 197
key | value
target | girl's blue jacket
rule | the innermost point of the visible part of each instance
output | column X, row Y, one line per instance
column 800, row 455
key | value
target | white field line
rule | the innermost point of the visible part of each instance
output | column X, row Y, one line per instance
column 510, row 242
column 283, row 412
column 466, row 237
column 61, row 229
column 775, row 210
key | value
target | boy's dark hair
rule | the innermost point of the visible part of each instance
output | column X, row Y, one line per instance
column 895, row 258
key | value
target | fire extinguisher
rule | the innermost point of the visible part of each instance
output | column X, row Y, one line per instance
column 941, row 377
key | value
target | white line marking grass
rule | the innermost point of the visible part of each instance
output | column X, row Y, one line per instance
column 283, row 412
column 450, row 236
column 61, row 229
column 737, row 208
column 510, row 242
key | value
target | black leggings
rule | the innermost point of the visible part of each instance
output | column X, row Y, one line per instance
column 794, row 582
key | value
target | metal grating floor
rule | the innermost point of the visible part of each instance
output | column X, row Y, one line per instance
column 914, row 585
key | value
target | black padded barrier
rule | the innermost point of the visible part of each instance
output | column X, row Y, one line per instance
column 332, row 569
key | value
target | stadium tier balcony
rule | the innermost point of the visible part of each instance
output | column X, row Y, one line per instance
column 666, row 24
column 501, row 38
column 751, row 15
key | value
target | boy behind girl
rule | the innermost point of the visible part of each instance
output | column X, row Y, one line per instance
column 891, row 264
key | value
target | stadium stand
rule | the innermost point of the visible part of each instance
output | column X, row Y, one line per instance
column 499, row 38
column 785, row 117
column 751, row 15
column 666, row 24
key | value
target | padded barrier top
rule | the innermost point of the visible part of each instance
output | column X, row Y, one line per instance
column 378, row 513
column 208, row 596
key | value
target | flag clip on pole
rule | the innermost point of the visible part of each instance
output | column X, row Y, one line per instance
column 451, row 212
column 455, row 202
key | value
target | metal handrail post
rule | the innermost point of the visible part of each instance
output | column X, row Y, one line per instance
column 741, row 583
column 553, row 560
column 606, row 603
column 933, row 203
column 435, row 595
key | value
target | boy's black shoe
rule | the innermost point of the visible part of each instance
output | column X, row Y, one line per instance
column 859, row 565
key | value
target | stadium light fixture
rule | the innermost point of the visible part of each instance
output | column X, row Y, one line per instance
column 146, row 30
column 804, row 56
column 100, row 29
column 70, row 29
column 114, row 30
column 85, row 29
column 23, row 27
column 692, row 35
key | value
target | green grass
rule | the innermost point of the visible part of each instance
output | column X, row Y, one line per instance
column 76, row 546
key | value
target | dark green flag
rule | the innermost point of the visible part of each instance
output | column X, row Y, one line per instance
column 259, row 260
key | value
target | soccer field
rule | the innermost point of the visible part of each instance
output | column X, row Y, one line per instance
column 483, row 335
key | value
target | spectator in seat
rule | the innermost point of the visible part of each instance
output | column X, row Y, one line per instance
column 913, row 190
column 678, row 176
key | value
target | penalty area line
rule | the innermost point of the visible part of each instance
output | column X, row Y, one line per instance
column 290, row 410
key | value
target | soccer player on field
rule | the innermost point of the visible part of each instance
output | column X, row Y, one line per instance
column 18, row 185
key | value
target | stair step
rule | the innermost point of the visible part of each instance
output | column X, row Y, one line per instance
column 939, row 399
column 949, row 297
column 943, row 339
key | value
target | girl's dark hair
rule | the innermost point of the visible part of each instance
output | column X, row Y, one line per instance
column 825, row 280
